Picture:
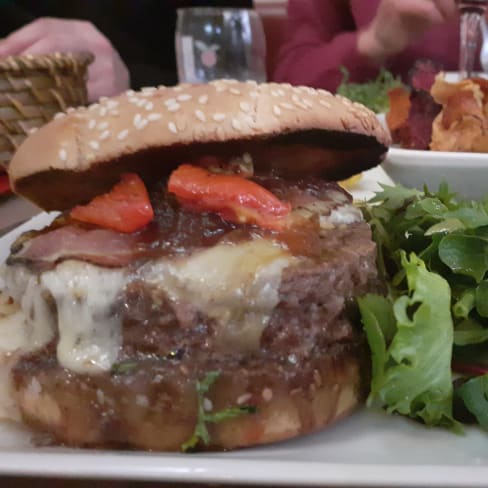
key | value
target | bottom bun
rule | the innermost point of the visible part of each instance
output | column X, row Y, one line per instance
column 153, row 404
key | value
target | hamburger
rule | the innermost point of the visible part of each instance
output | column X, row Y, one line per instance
column 197, row 288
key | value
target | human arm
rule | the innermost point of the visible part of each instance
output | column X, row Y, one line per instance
column 324, row 35
column 107, row 75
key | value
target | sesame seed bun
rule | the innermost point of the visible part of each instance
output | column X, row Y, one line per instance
column 287, row 130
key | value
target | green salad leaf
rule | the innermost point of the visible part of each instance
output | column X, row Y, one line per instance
column 373, row 93
column 412, row 363
column 433, row 257
column 474, row 394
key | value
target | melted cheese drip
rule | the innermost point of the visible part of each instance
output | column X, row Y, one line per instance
column 35, row 325
column 90, row 333
column 236, row 285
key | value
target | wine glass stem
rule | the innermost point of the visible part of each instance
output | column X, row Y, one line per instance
column 470, row 35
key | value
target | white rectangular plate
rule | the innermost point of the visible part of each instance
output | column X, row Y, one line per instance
column 368, row 449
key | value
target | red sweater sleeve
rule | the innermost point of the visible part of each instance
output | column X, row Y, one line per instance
column 321, row 38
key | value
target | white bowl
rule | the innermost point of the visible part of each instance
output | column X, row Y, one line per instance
column 466, row 173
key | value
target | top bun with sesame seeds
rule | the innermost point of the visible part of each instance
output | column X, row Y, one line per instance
column 288, row 131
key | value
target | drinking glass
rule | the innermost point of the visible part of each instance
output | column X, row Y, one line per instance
column 214, row 43
column 472, row 12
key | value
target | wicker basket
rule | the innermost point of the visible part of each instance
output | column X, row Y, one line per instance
column 33, row 89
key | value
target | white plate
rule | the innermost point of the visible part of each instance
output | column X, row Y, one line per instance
column 368, row 449
column 466, row 173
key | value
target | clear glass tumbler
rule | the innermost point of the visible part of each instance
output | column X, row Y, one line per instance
column 213, row 43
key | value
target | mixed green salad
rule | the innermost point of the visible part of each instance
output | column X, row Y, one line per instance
column 373, row 93
column 428, row 333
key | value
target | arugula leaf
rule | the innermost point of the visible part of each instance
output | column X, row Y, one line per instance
column 474, row 394
column 201, row 434
column 412, row 371
column 373, row 94
column 465, row 254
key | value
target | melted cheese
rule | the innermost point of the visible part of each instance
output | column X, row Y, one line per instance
column 35, row 325
column 89, row 331
column 236, row 285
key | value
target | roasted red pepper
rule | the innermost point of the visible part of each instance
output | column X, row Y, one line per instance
column 233, row 197
column 4, row 184
column 126, row 208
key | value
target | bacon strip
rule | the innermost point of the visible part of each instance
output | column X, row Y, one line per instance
column 99, row 246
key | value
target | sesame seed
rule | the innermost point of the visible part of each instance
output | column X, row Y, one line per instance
column 245, row 107
column 63, row 155
column 137, row 119
column 104, row 135
column 281, row 92
column 185, row 97
column 244, row 398
column 70, row 110
column 200, row 115
column 122, row 134
column 153, row 117
column 92, row 123
column 218, row 117
column 142, row 124
column 246, row 157
column 236, row 125
column 103, row 99
column 325, row 104
column 93, row 106
column 174, row 108
column 235, row 91
column 100, row 397
column 323, row 92
column 148, row 89
column 178, row 88
column 287, row 105
column 254, row 94
column 275, row 93
column 112, row 104
column 203, row 99
column 133, row 100
column 141, row 102
column 149, row 106
column 142, row 401
column 170, row 101
column 207, row 404
column 130, row 93
column 33, row 129
column 172, row 127
column 277, row 110
column 267, row 394
column 59, row 115
column 307, row 102
column 102, row 112
column 94, row 145
column 102, row 125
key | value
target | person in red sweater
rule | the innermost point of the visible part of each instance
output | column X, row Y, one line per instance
column 363, row 35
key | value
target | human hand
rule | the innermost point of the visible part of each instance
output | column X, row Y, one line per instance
column 107, row 75
column 400, row 22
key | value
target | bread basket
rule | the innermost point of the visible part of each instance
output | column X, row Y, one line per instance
column 33, row 89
